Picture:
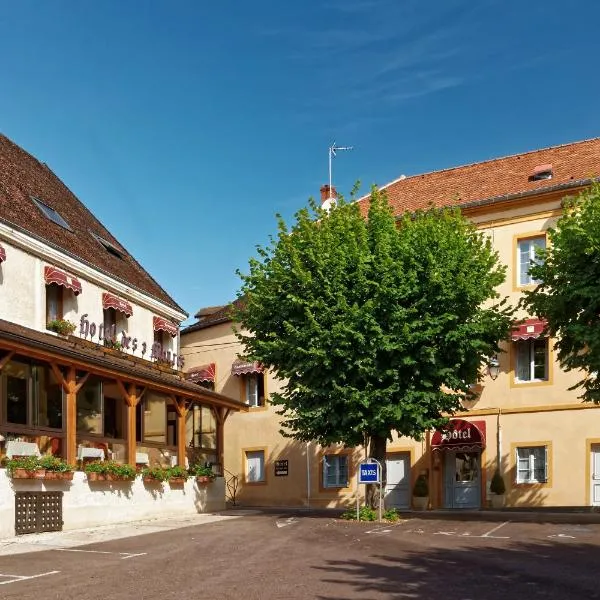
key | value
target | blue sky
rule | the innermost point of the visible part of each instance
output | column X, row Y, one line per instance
column 185, row 126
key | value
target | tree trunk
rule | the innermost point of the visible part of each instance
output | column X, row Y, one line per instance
column 377, row 450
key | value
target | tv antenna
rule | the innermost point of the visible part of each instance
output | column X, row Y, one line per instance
column 332, row 152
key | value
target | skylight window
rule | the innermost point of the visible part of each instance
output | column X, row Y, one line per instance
column 109, row 247
column 50, row 213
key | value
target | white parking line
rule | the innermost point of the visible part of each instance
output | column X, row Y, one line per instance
column 17, row 578
column 124, row 555
column 488, row 534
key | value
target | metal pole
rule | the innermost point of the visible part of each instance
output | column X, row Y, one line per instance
column 357, row 494
column 380, row 496
column 330, row 151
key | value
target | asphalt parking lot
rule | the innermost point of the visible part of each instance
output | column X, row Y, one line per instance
column 273, row 556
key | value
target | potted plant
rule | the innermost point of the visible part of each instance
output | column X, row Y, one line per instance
column 25, row 467
column 421, row 493
column 61, row 326
column 203, row 473
column 177, row 475
column 117, row 472
column 154, row 474
column 56, row 468
column 497, row 489
column 95, row 471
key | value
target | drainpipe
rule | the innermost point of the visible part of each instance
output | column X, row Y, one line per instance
column 307, row 475
column 499, row 443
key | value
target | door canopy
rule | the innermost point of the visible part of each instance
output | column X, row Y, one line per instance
column 460, row 435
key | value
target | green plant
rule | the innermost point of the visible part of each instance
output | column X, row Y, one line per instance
column 29, row 463
column 365, row 513
column 156, row 473
column 421, row 487
column 391, row 515
column 114, row 344
column 54, row 463
column 119, row 471
column 177, row 472
column 200, row 470
column 61, row 326
column 95, row 467
column 497, row 485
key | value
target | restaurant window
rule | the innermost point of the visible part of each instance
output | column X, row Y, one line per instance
column 254, row 386
column 531, row 362
column 47, row 398
column 90, row 407
column 154, row 428
column 335, row 470
column 171, row 426
column 532, row 464
column 255, row 466
column 526, row 256
column 16, row 378
column 113, row 418
column 54, row 302
column 201, row 428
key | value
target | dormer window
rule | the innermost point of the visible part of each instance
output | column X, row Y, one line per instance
column 541, row 172
column 50, row 213
column 108, row 246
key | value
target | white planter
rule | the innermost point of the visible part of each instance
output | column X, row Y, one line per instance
column 497, row 500
column 420, row 502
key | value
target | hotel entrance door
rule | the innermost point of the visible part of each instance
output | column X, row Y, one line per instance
column 462, row 474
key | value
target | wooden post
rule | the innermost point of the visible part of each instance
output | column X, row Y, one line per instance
column 131, row 400
column 71, row 387
column 4, row 360
column 182, row 410
column 221, row 415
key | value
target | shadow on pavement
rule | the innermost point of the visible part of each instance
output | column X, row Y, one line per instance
column 562, row 570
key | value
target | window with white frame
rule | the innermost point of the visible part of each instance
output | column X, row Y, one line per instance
column 532, row 464
column 255, row 466
column 531, row 362
column 255, row 389
column 335, row 470
column 526, row 249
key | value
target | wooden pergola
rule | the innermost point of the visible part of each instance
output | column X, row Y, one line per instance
column 73, row 360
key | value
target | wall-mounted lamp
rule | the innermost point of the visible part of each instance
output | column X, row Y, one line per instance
column 493, row 367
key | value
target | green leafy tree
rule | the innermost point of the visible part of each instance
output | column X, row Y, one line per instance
column 568, row 295
column 374, row 326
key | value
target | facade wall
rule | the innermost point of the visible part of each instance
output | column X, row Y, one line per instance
column 514, row 414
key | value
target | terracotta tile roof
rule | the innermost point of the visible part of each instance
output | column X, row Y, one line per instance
column 84, row 353
column 494, row 179
column 223, row 315
column 23, row 176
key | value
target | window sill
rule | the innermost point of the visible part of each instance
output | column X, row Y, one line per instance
column 255, row 482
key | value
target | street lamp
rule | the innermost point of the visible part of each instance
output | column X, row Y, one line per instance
column 493, row 367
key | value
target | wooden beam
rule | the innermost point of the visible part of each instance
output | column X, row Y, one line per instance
column 181, row 438
column 81, row 382
column 5, row 359
column 131, row 400
column 59, row 377
column 71, row 415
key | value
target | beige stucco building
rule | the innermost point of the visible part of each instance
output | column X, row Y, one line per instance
column 525, row 419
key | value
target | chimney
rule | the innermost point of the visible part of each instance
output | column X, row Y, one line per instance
column 326, row 195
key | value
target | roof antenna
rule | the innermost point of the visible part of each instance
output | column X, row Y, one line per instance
column 332, row 152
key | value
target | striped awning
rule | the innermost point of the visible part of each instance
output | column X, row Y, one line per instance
column 2, row 254
column 55, row 275
column 529, row 329
column 112, row 301
column 161, row 324
column 202, row 373
column 243, row 367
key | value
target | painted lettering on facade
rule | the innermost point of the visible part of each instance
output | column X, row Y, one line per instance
column 108, row 334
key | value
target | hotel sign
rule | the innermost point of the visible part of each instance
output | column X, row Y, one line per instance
column 107, row 334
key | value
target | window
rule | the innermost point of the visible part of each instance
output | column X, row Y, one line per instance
column 50, row 213
column 47, row 399
column 531, row 363
column 201, row 428
column 255, row 389
column 108, row 246
column 155, row 418
column 532, row 464
column 17, row 378
column 54, row 302
column 90, row 407
column 526, row 250
column 110, row 322
column 171, row 426
column 255, row 466
column 335, row 470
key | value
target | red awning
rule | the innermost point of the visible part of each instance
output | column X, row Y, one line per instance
column 54, row 275
column 528, row 330
column 460, row 435
column 203, row 373
column 243, row 367
column 111, row 301
column 2, row 254
column 161, row 324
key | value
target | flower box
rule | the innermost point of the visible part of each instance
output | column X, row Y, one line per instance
column 177, row 481
column 204, row 479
